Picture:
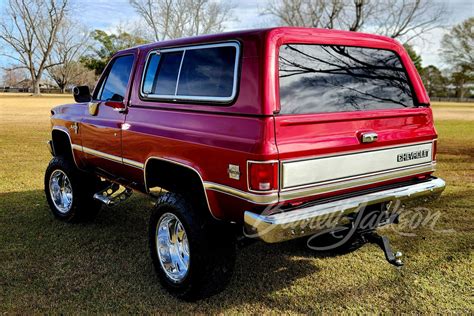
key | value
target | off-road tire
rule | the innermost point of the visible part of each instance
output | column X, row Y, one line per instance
column 212, row 249
column 84, row 207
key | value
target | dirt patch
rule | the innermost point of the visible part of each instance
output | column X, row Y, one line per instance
column 454, row 113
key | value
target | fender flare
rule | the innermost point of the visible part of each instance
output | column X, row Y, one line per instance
column 73, row 146
column 194, row 170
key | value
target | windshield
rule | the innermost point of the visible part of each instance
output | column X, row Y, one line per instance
column 328, row 78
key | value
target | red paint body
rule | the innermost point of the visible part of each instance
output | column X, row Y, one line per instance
column 209, row 137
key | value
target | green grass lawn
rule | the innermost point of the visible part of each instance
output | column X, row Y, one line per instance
column 49, row 266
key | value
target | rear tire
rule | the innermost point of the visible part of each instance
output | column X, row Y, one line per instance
column 207, row 266
column 69, row 191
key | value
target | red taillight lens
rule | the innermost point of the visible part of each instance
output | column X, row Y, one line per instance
column 263, row 176
column 435, row 148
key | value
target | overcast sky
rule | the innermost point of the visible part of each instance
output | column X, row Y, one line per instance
column 106, row 14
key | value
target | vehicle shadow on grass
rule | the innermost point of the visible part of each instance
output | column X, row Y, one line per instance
column 78, row 266
column 436, row 218
column 428, row 253
column 104, row 266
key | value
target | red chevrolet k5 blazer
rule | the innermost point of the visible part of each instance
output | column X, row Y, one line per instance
column 271, row 134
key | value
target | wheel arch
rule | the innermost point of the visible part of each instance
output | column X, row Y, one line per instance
column 176, row 176
column 61, row 144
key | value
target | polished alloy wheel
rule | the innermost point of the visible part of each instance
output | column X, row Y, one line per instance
column 172, row 247
column 60, row 189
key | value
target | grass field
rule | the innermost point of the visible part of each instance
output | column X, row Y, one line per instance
column 104, row 267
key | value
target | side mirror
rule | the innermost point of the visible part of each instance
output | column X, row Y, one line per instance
column 82, row 94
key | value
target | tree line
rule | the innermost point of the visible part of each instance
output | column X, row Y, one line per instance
column 43, row 39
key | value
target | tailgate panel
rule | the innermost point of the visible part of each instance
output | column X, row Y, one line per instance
column 328, row 95
column 353, row 165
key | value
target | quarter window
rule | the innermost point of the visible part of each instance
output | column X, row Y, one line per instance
column 200, row 73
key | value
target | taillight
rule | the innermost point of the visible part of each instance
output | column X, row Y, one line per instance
column 435, row 148
column 263, row 176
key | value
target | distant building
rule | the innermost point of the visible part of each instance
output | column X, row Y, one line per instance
column 25, row 86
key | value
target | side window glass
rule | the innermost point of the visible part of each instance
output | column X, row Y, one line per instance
column 167, row 74
column 151, row 73
column 115, row 85
column 208, row 72
column 195, row 73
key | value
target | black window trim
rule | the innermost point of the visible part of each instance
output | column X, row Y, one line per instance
column 416, row 103
column 175, row 97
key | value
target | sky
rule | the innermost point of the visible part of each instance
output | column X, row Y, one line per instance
column 106, row 14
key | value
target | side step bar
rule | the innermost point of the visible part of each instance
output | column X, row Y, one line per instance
column 113, row 194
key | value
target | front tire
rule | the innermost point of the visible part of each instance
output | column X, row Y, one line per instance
column 69, row 191
column 193, row 255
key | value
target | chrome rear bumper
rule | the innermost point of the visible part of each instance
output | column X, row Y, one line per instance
column 310, row 220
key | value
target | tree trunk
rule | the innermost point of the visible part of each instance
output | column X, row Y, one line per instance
column 460, row 91
column 36, row 87
column 63, row 89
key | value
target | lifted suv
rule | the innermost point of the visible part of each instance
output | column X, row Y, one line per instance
column 272, row 131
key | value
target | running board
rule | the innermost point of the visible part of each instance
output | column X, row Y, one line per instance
column 113, row 194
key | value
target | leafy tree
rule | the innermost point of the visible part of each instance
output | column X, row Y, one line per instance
column 458, row 51
column 414, row 57
column 106, row 46
column 458, row 45
column 463, row 80
column 434, row 81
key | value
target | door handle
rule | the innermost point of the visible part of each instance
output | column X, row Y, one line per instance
column 369, row 137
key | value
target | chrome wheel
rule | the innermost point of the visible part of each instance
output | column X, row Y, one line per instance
column 60, row 189
column 172, row 247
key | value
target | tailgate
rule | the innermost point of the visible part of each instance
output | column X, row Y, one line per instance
column 327, row 151
column 333, row 96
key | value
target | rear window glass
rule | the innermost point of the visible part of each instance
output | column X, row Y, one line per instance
column 327, row 78
column 202, row 73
